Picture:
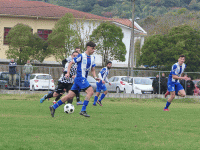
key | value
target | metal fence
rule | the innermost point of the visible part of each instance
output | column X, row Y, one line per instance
column 56, row 72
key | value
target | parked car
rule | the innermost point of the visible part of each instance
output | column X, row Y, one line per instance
column 92, row 82
column 39, row 81
column 141, row 85
column 119, row 84
column 4, row 82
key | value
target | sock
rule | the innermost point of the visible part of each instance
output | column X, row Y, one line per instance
column 167, row 105
column 85, row 103
column 102, row 96
column 50, row 94
column 70, row 101
column 176, row 92
column 58, row 97
column 57, row 104
column 78, row 97
column 95, row 100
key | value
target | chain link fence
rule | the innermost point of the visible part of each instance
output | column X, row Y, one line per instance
column 56, row 72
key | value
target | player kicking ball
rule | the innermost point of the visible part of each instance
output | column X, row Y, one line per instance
column 101, row 84
column 174, row 87
column 85, row 63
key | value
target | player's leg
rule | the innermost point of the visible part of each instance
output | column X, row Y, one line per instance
column 102, row 95
column 96, row 97
column 180, row 89
column 68, row 87
column 89, row 90
column 98, row 91
column 79, row 102
column 67, row 97
column 171, row 89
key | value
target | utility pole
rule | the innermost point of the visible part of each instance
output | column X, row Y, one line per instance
column 132, row 45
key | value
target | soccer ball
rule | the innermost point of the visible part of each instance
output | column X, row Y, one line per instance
column 69, row 108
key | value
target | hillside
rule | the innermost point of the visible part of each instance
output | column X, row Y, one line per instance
column 123, row 8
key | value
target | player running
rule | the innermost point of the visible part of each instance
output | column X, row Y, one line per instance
column 101, row 84
column 85, row 62
column 69, row 59
column 64, row 84
column 174, row 87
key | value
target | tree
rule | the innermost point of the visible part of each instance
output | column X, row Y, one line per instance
column 108, row 38
column 163, row 50
column 39, row 48
column 63, row 38
column 18, row 39
column 83, row 31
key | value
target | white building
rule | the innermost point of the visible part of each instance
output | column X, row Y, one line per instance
column 42, row 17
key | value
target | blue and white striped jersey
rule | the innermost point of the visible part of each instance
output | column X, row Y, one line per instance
column 103, row 74
column 84, row 64
column 176, row 70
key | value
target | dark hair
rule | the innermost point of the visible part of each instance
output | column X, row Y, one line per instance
column 77, row 48
column 74, row 52
column 91, row 44
column 181, row 56
column 108, row 62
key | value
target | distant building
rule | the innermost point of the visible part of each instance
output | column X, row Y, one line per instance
column 42, row 17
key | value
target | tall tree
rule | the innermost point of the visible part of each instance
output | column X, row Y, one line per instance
column 18, row 39
column 109, row 42
column 63, row 38
column 39, row 48
column 163, row 50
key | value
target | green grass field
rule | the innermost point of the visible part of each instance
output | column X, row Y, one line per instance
column 121, row 124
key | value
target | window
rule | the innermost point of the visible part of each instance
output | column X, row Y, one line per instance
column 44, row 33
column 6, row 30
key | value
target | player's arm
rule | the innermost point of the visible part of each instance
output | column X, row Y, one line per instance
column 68, row 69
column 180, row 78
column 94, row 74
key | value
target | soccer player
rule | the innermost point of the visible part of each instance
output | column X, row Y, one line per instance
column 174, row 87
column 101, row 85
column 85, row 62
column 64, row 84
column 69, row 59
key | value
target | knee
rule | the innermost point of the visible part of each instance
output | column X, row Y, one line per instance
column 173, row 95
column 106, row 92
column 183, row 95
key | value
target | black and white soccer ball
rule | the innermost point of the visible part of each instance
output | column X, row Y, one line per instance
column 69, row 108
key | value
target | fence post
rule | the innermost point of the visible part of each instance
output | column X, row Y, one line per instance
column 19, row 76
column 159, row 82
column 49, row 79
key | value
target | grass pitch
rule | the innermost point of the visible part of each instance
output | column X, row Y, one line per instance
column 121, row 124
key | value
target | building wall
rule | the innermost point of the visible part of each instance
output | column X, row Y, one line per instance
column 34, row 23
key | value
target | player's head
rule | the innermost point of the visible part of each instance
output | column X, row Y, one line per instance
column 74, row 54
column 181, row 59
column 90, row 47
column 78, row 49
column 109, row 64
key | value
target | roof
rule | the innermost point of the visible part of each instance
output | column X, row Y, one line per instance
column 125, row 22
column 41, row 9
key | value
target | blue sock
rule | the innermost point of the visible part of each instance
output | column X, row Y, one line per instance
column 57, row 104
column 167, row 105
column 102, row 96
column 85, row 103
column 95, row 100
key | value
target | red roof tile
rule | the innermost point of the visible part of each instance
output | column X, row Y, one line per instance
column 41, row 9
column 125, row 22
